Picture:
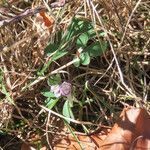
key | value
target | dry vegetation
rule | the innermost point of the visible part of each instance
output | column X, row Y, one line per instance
column 117, row 78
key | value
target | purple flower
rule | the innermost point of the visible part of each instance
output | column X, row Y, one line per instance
column 63, row 89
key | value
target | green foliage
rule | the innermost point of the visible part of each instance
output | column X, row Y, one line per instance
column 47, row 93
column 77, row 62
column 54, row 80
column 96, row 93
column 96, row 49
column 51, row 48
column 67, row 111
column 82, row 37
column 82, row 40
column 77, row 27
column 88, row 51
column 50, row 102
column 78, row 35
column 51, row 99
column 53, row 51
column 85, row 58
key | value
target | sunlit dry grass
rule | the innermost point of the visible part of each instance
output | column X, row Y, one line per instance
column 118, row 78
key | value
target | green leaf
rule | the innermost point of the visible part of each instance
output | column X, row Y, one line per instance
column 85, row 58
column 50, row 103
column 58, row 37
column 96, row 49
column 67, row 112
column 77, row 27
column 82, row 40
column 55, row 56
column 58, row 55
column 78, row 62
column 54, row 80
column 92, row 33
column 47, row 93
column 45, row 67
column 51, row 48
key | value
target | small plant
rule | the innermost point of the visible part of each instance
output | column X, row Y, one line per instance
column 71, row 66
column 82, row 42
column 58, row 91
column 80, row 32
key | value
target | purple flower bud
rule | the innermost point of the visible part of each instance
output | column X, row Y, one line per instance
column 65, row 89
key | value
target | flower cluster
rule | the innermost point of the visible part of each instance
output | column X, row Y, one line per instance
column 63, row 89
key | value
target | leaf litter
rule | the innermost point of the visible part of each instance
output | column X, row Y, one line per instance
column 39, row 39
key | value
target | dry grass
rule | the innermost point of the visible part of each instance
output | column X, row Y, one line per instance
column 118, row 78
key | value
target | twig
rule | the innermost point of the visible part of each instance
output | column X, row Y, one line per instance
column 47, row 137
column 30, row 12
column 58, row 70
column 26, row 13
column 60, row 3
column 130, row 17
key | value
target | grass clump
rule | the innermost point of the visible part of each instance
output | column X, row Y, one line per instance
column 82, row 68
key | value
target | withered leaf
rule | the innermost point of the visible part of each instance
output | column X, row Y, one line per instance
column 130, row 133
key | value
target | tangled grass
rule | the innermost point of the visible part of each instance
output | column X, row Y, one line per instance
column 113, row 80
